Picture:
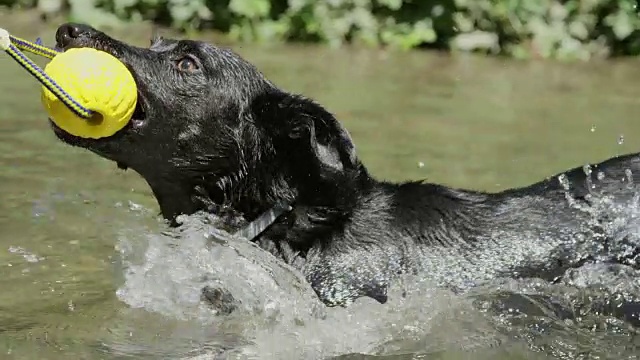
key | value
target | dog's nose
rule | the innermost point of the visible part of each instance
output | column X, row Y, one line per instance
column 68, row 32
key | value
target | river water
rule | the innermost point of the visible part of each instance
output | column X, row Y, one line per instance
column 88, row 271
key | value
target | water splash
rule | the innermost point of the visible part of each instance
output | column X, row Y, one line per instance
column 177, row 264
column 280, row 317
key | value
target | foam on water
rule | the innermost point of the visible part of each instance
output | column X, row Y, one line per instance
column 174, row 267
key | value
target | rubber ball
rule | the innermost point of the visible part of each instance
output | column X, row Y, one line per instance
column 96, row 80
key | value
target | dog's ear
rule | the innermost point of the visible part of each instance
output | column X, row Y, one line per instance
column 303, row 130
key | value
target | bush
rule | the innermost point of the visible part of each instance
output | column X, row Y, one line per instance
column 522, row 28
column 553, row 28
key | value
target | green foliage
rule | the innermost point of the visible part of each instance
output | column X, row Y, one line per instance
column 565, row 29
column 555, row 28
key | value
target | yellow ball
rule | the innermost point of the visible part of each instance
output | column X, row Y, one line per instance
column 99, row 82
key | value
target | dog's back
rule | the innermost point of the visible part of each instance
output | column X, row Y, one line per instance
column 461, row 238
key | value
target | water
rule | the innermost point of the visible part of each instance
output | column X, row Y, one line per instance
column 280, row 316
column 89, row 271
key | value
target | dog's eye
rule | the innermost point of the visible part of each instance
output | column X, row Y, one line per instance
column 187, row 64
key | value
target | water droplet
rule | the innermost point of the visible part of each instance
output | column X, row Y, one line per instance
column 629, row 177
column 564, row 182
column 589, row 181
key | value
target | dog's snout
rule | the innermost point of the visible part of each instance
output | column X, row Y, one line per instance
column 69, row 32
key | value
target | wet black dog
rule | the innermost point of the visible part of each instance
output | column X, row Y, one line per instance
column 212, row 134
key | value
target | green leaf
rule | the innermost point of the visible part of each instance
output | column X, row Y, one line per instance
column 252, row 9
column 621, row 24
column 391, row 4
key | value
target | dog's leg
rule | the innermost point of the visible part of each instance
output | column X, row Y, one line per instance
column 339, row 282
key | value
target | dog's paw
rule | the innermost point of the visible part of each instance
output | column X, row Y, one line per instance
column 219, row 299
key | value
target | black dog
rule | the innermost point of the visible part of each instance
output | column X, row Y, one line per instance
column 212, row 134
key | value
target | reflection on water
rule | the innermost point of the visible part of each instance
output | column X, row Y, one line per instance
column 89, row 272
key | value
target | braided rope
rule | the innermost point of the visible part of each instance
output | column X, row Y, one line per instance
column 11, row 45
column 34, row 48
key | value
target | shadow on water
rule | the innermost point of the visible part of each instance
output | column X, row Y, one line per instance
column 465, row 121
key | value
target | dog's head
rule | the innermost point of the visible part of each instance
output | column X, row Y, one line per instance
column 210, row 128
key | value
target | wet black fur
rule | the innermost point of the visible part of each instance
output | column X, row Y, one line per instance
column 222, row 138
